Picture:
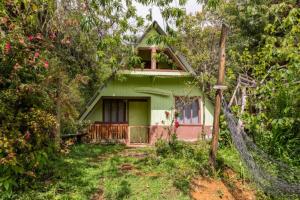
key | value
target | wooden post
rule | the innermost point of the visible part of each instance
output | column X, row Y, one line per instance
column 215, row 132
column 244, row 99
column 153, row 57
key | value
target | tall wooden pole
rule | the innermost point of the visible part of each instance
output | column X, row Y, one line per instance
column 219, row 87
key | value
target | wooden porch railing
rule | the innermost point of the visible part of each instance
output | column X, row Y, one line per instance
column 105, row 131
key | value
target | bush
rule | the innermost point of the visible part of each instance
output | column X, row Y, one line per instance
column 24, row 153
column 162, row 148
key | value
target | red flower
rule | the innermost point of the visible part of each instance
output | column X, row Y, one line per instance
column 176, row 124
column 7, row 47
column 46, row 64
column 36, row 54
column 27, row 135
column 30, row 37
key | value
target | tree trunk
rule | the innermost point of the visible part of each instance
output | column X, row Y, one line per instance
column 221, row 74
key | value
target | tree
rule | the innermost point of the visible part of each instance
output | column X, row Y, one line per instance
column 263, row 45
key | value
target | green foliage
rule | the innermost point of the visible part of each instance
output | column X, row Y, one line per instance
column 262, row 43
column 72, row 176
column 224, row 136
column 197, row 155
column 271, row 56
column 53, row 55
column 90, row 170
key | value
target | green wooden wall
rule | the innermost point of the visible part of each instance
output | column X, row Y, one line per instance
column 159, row 90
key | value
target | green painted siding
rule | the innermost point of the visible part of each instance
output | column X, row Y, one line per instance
column 96, row 112
column 159, row 103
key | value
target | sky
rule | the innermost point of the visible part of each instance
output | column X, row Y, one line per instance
column 191, row 7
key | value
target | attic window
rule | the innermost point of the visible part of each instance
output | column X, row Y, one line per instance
column 154, row 58
column 145, row 55
column 165, row 60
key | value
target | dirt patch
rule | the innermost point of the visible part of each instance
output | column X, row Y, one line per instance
column 126, row 167
column 229, row 188
column 209, row 189
column 239, row 189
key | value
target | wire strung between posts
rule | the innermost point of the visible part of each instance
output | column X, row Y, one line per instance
column 274, row 177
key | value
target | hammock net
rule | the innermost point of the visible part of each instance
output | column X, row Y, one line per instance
column 272, row 176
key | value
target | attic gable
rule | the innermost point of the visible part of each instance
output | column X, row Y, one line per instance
column 159, row 56
column 151, row 33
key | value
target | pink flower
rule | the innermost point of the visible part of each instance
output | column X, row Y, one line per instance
column 46, row 64
column 176, row 124
column 7, row 47
column 27, row 135
column 36, row 54
column 30, row 37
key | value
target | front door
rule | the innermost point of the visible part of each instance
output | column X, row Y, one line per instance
column 138, row 121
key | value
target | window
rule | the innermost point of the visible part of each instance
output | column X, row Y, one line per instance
column 165, row 60
column 160, row 59
column 114, row 111
column 188, row 110
column 145, row 56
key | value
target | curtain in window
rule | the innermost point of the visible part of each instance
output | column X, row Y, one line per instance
column 195, row 112
column 188, row 110
column 114, row 111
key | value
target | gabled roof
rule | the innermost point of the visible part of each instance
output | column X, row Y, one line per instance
column 154, row 25
column 180, row 58
column 171, row 49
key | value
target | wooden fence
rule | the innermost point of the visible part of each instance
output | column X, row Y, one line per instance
column 99, row 132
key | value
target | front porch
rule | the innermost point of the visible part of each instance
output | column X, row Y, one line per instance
column 101, row 132
column 146, row 118
column 123, row 120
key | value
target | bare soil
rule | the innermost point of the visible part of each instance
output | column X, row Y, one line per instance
column 209, row 189
column 229, row 188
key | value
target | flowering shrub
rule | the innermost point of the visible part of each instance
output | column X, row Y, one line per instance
column 28, row 96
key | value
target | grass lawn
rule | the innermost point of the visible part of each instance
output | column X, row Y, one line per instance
column 114, row 172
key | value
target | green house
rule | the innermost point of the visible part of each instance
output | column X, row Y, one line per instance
column 151, row 101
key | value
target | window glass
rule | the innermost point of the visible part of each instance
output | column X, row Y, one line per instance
column 121, row 111
column 106, row 111
column 188, row 110
column 187, row 113
column 114, row 111
column 195, row 112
